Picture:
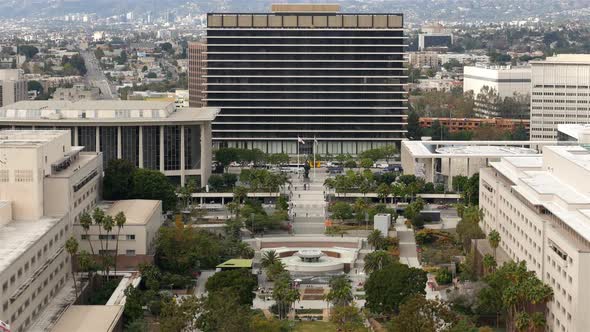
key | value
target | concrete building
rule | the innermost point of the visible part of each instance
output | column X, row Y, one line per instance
column 576, row 133
column 468, row 124
column 13, row 87
column 560, row 93
column 136, row 238
column 435, row 41
column 197, row 71
column 440, row 161
column 309, row 71
column 45, row 183
column 424, row 60
column 91, row 318
column 76, row 93
column 506, row 81
column 541, row 207
column 153, row 135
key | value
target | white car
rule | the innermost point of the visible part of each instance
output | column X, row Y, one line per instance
column 381, row 165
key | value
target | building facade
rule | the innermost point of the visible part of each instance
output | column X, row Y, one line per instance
column 196, row 74
column 76, row 93
column 152, row 135
column 306, row 71
column 468, row 124
column 424, row 60
column 137, row 238
column 45, row 183
column 540, row 205
column 13, row 87
column 560, row 93
column 435, row 41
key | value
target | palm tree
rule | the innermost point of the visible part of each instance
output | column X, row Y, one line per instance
column 522, row 322
column 244, row 250
column 489, row 263
column 375, row 239
column 86, row 222
column 538, row 321
column 269, row 258
column 340, row 293
column 376, row 261
column 383, row 190
column 72, row 249
column 494, row 239
column 98, row 217
column 108, row 223
column 120, row 221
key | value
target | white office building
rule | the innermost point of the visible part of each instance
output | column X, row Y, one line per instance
column 560, row 93
column 540, row 205
column 45, row 183
column 506, row 81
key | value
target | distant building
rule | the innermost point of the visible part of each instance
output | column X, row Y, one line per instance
column 541, row 207
column 435, row 41
column 153, row 135
column 13, row 87
column 424, row 60
column 76, row 93
column 506, row 81
column 560, row 93
column 468, row 124
column 137, row 239
column 45, row 183
column 578, row 133
column 197, row 71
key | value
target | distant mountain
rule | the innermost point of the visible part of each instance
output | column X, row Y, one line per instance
column 415, row 10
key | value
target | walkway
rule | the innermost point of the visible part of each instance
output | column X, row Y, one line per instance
column 407, row 246
column 308, row 205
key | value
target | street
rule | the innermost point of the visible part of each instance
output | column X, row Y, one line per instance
column 95, row 77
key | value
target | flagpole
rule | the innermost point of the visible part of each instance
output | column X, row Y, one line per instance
column 314, row 164
column 297, row 156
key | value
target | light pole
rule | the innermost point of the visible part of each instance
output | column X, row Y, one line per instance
column 252, row 219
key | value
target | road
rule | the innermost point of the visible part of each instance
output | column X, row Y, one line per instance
column 95, row 77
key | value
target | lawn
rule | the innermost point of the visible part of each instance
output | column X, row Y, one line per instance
column 318, row 327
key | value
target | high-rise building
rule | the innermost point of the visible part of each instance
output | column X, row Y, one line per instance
column 13, row 87
column 197, row 71
column 560, row 93
column 45, row 184
column 306, row 71
column 439, row 41
column 505, row 81
column 540, row 206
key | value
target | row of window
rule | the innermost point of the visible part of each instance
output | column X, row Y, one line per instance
column 129, row 237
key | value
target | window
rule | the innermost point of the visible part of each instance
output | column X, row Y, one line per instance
column 130, row 253
column 84, row 237
column 130, row 236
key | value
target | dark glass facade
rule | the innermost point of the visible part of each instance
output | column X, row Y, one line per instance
column 171, row 148
column 192, row 147
column 130, row 144
column 108, row 144
column 87, row 138
column 151, row 147
column 279, row 82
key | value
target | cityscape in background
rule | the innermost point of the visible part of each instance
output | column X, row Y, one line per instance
column 357, row 165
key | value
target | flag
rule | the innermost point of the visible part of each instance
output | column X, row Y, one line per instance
column 300, row 140
column 315, row 140
column 4, row 327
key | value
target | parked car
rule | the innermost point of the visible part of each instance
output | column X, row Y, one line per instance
column 335, row 169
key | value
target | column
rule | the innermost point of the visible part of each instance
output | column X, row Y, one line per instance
column 75, row 133
column 182, row 156
column 140, row 157
column 119, row 139
column 97, row 139
column 162, row 148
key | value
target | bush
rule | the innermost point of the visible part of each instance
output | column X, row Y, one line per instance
column 425, row 236
column 443, row 277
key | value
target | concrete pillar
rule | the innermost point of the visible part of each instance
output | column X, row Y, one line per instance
column 182, row 156
column 119, row 143
column 97, row 139
column 75, row 133
column 140, row 157
column 162, row 148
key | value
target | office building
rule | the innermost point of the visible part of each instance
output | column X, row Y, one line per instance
column 137, row 239
column 540, row 206
column 506, row 81
column 560, row 93
column 153, row 135
column 469, row 124
column 13, row 87
column 306, row 71
column 424, row 60
column 45, row 183
column 196, row 74
column 76, row 93
column 435, row 41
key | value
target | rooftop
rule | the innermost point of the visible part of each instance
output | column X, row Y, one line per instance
column 18, row 236
column 33, row 138
column 103, row 111
column 566, row 58
column 236, row 263
column 484, row 149
column 89, row 318
column 137, row 211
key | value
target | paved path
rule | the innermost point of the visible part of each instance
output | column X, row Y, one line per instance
column 407, row 247
column 200, row 289
column 308, row 205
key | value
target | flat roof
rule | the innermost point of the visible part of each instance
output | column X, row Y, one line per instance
column 573, row 129
column 462, row 149
column 31, row 138
column 18, row 236
column 484, row 150
column 137, row 211
column 89, row 318
column 566, row 59
column 236, row 263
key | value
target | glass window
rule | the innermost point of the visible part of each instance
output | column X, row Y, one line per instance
column 172, row 148
column 151, row 147
column 108, row 144
column 87, row 138
column 130, row 144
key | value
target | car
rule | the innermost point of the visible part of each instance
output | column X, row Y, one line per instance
column 335, row 169
column 381, row 165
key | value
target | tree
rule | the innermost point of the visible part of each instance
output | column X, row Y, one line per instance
column 242, row 284
column 383, row 191
column 468, row 227
column 460, row 183
column 223, row 312
column 347, row 318
column 186, row 192
column 86, row 222
column 278, row 158
column 443, row 276
column 372, row 154
column 117, row 182
column 98, row 217
column 494, row 239
column 72, row 249
column 520, row 133
column 166, row 47
column 417, row 314
column 36, row 86
column 269, row 257
column 28, row 50
column 340, row 293
column 120, row 221
column 107, row 224
column 179, row 315
column 377, row 260
column 489, row 263
column 341, row 210
column 389, row 287
column 376, row 239
column 366, row 163
column 152, row 184
column 151, row 75
column 414, row 129
column 350, row 164
column 133, row 304
column 284, row 294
